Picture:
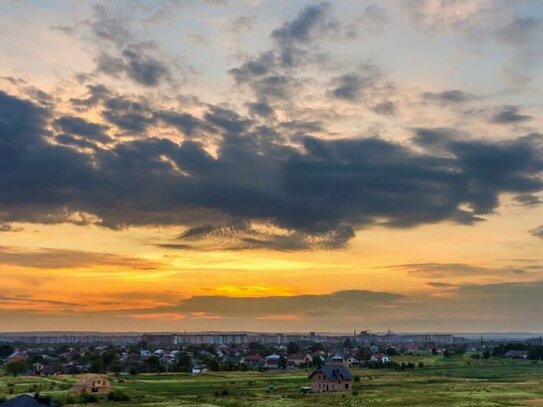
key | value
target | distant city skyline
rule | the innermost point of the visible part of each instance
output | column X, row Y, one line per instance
column 258, row 165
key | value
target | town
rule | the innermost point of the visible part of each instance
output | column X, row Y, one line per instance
column 98, row 363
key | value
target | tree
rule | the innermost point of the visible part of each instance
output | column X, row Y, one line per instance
column 116, row 367
column 347, row 344
column 317, row 361
column 316, row 347
column 108, row 357
column 96, row 366
column 292, row 347
column 282, row 363
column 5, row 351
column 486, row 354
column 16, row 368
column 213, row 365
column 184, row 364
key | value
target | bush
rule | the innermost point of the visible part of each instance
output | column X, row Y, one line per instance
column 118, row 395
column 88, row 398
column 420, row 365
column 356, row 378
column 355, row 393
column 225, row 392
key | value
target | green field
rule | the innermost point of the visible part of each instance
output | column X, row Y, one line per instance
column 442, row 382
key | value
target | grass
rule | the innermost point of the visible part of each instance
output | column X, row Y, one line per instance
column 455, row 382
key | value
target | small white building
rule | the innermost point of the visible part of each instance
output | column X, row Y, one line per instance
column 379, row 357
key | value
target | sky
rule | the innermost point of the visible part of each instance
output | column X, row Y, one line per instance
column 271, row 165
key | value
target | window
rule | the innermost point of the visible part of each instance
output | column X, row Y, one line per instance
column 347, row 386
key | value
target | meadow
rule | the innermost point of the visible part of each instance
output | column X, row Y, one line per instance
column 452, row 382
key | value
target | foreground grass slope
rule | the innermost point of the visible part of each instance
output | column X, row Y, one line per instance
column 457, row 382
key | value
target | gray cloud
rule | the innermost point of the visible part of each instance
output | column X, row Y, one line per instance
column 521, row 30
column 317, row 191
column 75, row 125
column 528, row 200
column 448, row 97
column 509, row 115
column 361, row 84
column 364, row 302
column 537, row 232
column 136, row 64
column 387, row 108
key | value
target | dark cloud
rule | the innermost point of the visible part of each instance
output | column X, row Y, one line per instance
column 185, row 122
column 262, row 109
column 448, row 97
column 315, row 192
column 122, row 52
column 537, row 232
column 75, row 125
column 309, row 22
column 509, row 115
column 528, row 200
column 364, row 302
column 272, row 74
column 242, row 235
column 354, row 86
column 136, row 64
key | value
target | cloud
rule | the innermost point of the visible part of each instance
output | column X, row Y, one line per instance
column 122, row 52
column 6, row 227
column 521, row 30
column 252, row 307
column 528, row 200
column 77, row 126
column 448, row 97
column 537, row 232
column 364, row 84
column 387, row 108
column 509, row 115
column 445, row 270
column 314, row 190
column 440, row 284
column 309, row 23
column 242, row 235
column 136, row 64
column 46, row 258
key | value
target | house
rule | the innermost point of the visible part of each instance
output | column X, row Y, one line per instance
column 92, row 383
column 16, row 357
column 352, row 361
column 337, row 360
column 331, row 379
column 254, row 361
column 412, row 348
column 517, row 354
column 198, row 369
column 379, row 357
column 25, row 400
column 272, row 361
column 298, row 360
